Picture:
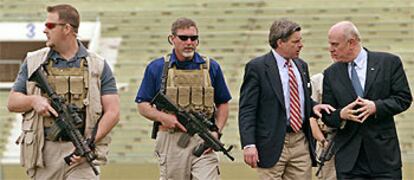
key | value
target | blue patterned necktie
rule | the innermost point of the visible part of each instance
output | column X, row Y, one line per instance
column 355, row 81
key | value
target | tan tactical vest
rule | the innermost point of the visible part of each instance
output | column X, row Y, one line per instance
column 32, row 138
column 191, row 89
column 69, row 83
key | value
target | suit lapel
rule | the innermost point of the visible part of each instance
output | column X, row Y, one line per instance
column 272, row 72
column 372, row 72
column 343, row 77
column 303, row 75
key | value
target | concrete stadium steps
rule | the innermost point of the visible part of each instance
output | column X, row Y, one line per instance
column 6, row 121
column 132, row 136
column 326, row 9
column 377, row 39
column 128, row 73
column 140, row 17
column 371, row 33
column 82, row 5
column 234, row 4
column 233, row 48
column 266, row 20
column 224, row 55
column 362, row 25
column 19, row 17
column 326, row 4
column 231, row 32
column 154, row 37
column 404, row 125
column 18, row 6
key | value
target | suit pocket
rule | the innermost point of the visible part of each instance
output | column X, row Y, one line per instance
column 390, row 152
column 387, row 134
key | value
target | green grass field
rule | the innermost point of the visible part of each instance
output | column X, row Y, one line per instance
column 229, row 171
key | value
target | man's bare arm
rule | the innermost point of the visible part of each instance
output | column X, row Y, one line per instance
column 19, row 102
column 222, row 115
column 111, row 114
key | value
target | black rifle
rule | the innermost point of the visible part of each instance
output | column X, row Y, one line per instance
column 327, row 152
column 195, row 123
column 66, row 120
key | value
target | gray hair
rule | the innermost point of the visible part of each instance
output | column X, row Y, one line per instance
column 282, row 29
column 182, row 23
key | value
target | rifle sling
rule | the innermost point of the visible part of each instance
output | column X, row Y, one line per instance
column 156, row 125
column 94, row 131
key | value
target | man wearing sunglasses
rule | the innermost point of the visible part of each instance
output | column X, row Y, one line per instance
column 84, row 80
column 193, row 82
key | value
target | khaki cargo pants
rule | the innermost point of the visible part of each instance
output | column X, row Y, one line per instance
column 178, row 163
column 56, row 168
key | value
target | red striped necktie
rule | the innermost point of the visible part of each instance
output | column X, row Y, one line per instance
column 295, row 115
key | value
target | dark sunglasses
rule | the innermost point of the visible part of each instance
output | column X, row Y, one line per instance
column 185, row 38
column 53, row 25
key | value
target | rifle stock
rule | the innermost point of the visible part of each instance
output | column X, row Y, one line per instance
column 327, row 152
column 195, row 123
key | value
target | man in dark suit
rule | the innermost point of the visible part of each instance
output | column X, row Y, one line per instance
column 367, row 88
column 275, row 107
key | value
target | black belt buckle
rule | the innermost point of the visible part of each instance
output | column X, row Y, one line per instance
column 290, row 130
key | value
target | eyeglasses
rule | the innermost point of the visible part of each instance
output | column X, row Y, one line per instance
column 185, row 37
column 50, row 25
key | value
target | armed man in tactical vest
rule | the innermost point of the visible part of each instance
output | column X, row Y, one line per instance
column 193, row 83
column 69, row 101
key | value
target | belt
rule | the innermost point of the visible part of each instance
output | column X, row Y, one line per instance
column 60, row 138
column 290, row 130
column 171, row 130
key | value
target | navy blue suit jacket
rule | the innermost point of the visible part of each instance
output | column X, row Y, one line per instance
column 262, row 114
column 386, row 84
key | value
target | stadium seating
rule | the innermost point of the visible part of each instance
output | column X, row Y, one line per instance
column 231, row 32
column 6, row 120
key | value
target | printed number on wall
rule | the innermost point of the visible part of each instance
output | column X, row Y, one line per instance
column 30, row 30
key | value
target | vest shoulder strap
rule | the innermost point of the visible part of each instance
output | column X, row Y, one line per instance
column 165, row 72
column 36, row 59
column 207, row 60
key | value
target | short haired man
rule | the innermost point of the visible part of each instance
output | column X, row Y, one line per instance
column 368, row 89
column 275, row 106
column 194, row 82
column 84, row 80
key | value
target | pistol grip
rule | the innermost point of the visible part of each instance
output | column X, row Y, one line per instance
column 199, row 150
column 67, row 158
